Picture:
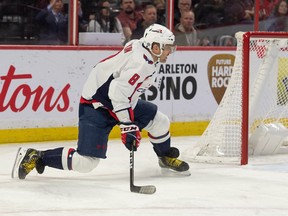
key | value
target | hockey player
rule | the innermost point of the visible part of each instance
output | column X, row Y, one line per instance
column 111, row 96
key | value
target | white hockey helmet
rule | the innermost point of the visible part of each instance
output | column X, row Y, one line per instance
column 156, row 33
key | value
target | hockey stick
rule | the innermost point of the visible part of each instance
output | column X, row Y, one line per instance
column 147, row 189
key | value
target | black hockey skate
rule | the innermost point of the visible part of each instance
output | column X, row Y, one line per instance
column 169, row 162
column 26, row 160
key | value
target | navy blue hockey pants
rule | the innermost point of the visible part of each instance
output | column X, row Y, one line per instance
column 95, row 126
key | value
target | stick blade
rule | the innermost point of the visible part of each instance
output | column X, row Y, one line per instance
column 148, row 189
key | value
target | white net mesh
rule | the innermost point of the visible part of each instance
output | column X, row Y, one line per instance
column 268, row 98
column 268, row 67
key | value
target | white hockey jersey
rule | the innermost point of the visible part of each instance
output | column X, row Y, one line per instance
column 118, row 81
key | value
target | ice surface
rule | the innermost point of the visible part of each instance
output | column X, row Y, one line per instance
column 260, row 188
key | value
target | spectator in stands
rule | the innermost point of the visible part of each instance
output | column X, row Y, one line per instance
column 249, row 10
column 266, row 8
column 161, row 11
column 105, row 20
column 278, row 19
column 149, row 18
column 128, row 17
column 185, row 33
column 183, row 5
column 53, row 24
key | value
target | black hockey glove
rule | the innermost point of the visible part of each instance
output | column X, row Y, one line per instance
column 130, row 133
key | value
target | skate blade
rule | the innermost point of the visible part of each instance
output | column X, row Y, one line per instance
column 170, row 172
column 19, row 157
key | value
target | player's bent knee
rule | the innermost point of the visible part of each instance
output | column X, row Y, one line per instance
column 71, row 160
column 84, row 164
column 159, row 128
column 159, row 125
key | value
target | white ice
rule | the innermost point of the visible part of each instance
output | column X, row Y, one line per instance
column 260, row 188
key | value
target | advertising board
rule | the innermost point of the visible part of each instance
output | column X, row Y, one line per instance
column 40, row 89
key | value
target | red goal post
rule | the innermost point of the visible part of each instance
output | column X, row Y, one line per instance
column 256, row 96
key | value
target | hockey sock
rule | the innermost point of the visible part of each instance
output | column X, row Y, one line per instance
column 162, row 148
column 53, row 158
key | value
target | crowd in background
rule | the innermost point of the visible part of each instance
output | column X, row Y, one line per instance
column 196, row 22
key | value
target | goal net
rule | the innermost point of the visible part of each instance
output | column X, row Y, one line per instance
column 252, row 117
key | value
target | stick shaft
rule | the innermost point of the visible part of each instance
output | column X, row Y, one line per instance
column 131, row 168
column 147, row 189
